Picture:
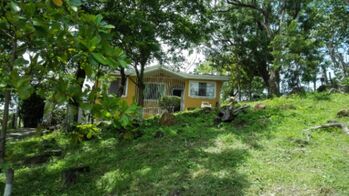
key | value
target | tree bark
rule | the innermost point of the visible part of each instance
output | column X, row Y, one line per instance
column 274, row 83
column 141, row 87
column 4, row 125
column 343, row 126
column 9, row 182
column 74, row 103
column 140, row 82
column 122, row 87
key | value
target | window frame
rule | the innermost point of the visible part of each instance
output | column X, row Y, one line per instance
column 126, row 86
column 202, row 97
column 160, row 83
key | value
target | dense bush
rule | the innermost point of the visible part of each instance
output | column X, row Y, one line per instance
column 85, row 132
column 170, row 103
column 58, row 115
column 117, row 113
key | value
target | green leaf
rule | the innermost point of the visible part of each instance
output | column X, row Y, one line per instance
column 89, row 135
column 122, row 63
column 100, row 58
column 124, row 120
column 109, row 26
column 94, row 43
column 99, row 19
column 15, row 7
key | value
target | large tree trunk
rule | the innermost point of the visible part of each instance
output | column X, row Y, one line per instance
column 337, row 59
column 140, row 82
column 4, row 125
column 274, row 83
column 9, row 182
column 74, row 103
column 123, row 82
column 141, row 87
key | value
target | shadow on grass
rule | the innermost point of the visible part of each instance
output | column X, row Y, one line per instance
column 253, row 125
column 190, row 159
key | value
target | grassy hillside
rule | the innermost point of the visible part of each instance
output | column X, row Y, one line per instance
column 261, row 152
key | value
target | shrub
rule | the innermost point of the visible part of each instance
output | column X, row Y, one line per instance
column 85, row 132
column 170, row 103
column 117, row 113
column 58, row 115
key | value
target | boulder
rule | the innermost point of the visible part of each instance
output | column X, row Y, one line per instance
column 343, row 113
column 167, row 119
column 260, row 106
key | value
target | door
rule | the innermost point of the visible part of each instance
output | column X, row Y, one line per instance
column 179, row 93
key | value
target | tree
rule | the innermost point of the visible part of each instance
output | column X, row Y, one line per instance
column 333, row 31
column 144, row 27
column 58, row 40
column 281, row 42
column 246, row 30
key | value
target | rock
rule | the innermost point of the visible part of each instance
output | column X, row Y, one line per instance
column 343, row 113
column 260, row 106
column 70, row 175
column 167, row 119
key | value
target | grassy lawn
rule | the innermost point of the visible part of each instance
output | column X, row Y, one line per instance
column 261, row 152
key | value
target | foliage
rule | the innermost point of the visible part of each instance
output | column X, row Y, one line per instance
column 261, row 153
column 116, row 112
column 58, row 115
column 288, row 44
column 152, row 30
column 170, row 103
column 61, row 43
column 85, row 132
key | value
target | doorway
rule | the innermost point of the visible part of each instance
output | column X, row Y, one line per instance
column 179, row 93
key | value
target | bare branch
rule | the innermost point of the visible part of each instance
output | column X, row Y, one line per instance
column 343, row 126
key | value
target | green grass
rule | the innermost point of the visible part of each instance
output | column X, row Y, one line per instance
column 261, row 152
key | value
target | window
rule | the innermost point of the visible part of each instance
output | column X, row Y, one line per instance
column 154, row 90
column 202, row 89
column 115, row 85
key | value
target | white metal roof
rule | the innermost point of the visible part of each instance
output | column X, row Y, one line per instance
column 149, row 70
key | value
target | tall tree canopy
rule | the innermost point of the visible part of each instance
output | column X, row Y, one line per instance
column 281, row 42
column 149, row 30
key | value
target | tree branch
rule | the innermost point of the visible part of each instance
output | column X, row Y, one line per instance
column 343, row 126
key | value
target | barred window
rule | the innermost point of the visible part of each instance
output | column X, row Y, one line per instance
column 115, row 85
column 202, row 89
column 154, row 90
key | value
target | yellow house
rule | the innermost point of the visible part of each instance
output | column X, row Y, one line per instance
column 194, row 90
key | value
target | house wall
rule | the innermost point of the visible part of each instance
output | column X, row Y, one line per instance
column 193, row 102
column 189, row 102
column 131, row 91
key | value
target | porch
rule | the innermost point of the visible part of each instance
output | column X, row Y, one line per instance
column 157, row 86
